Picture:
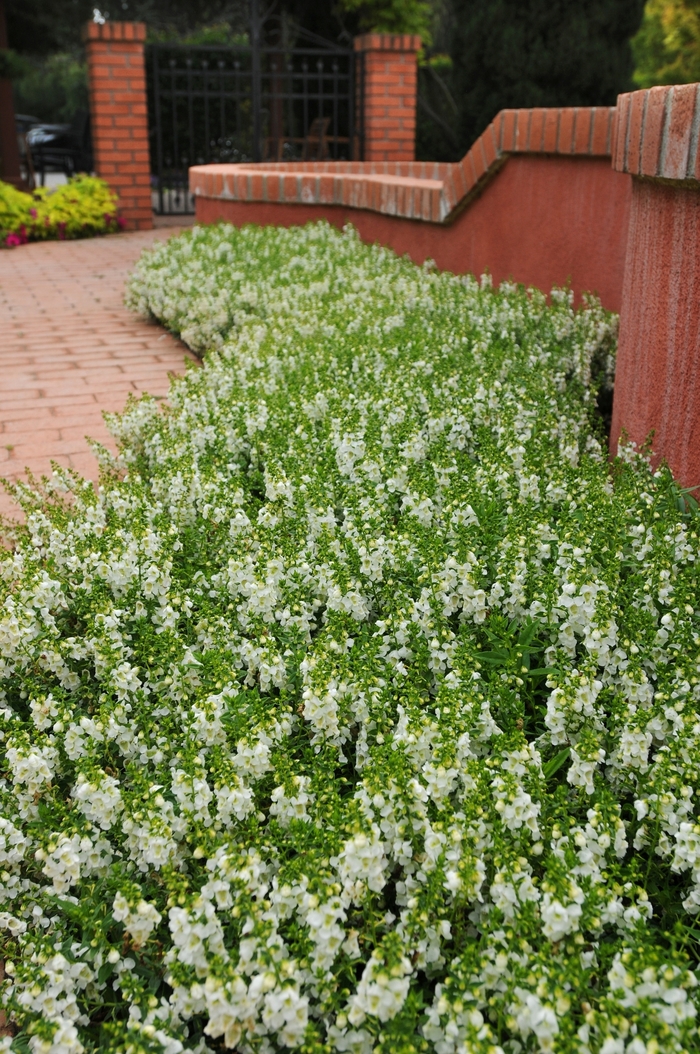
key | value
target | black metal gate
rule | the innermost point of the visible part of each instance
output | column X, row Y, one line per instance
column 246, row 103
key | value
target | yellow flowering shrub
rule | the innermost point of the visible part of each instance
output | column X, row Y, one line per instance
column 83, row 207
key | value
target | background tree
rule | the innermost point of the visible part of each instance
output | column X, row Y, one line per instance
column 479, row 55
column 511, row 53
column 667, row 47
column 393, row 16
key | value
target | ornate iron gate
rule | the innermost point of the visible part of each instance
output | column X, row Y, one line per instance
column 247, row 103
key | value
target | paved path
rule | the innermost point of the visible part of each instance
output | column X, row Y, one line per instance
column 70, row 350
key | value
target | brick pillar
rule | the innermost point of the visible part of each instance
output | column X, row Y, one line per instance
column 119, row 115
column 657, row 383
column 389, row 84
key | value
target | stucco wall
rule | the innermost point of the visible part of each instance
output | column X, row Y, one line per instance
column 541, row 220
column 657, row 384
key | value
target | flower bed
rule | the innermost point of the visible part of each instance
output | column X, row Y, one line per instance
column 81, row 208
column 357, row 710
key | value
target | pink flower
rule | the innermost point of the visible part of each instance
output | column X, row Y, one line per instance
column 32, row 213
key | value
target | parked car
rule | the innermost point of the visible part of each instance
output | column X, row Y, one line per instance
column 24, row 123
column 61, row 147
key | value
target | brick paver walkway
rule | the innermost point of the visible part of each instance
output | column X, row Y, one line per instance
column 69, row 350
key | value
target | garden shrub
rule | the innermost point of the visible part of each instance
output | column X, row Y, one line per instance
column 357, row 709
column 81, row 208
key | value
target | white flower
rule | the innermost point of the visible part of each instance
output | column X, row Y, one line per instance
column 100, row 803
column 292, row 807
column 139, row 921
column 32, row 767
column 381, row 992
column 534, row 1016
column 581, row 771
column 363, row 860
column 558, row 919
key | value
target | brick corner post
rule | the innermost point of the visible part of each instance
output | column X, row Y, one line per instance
column 388, row 95
column 657, row 383
column 119, row 115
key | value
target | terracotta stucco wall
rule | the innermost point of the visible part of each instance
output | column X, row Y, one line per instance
column 657, row 384
column 542, row 220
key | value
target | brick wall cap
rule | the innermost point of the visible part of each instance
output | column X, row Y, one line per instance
column 115, row 32
column 387, row 42
column 656, row 133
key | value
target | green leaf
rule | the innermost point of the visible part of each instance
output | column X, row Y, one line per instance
column 555, row 763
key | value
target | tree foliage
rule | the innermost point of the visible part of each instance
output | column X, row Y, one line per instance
column 393, row 16
column 538, row 53
column 667, row 47
column 53, row 88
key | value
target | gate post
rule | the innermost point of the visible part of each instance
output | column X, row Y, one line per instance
column 388, row 93
column 119, row 115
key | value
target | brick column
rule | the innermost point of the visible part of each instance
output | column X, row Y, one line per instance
column 388, row 95
column 119, row 115
column 657, row 383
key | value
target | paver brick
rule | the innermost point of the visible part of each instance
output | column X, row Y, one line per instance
column 72, row 350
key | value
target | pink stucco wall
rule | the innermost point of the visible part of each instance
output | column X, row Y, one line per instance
column 657, row 383
column 542, row 220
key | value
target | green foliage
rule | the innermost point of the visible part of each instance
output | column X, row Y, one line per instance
column 12, row 65
column 393, row 16
column 356, row 710
column 510, row 53
column 53, row 89
column 218, row 33
column 667, row 47
column 81, row 208
column 15, row 208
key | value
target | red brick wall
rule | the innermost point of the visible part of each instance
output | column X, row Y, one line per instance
column 119, row 112
column 389, row 95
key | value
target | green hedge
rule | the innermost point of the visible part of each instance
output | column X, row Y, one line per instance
column 357, row 709
column 81, row 208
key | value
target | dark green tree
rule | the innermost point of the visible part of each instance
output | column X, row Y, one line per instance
column 513, row 53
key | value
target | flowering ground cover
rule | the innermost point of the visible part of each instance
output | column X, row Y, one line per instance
column 81, row 208
column 357, row 709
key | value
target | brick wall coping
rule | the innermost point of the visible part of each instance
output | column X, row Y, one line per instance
column 133, row 32
column 657, row 133
column 387, row 42
column 430, row 191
